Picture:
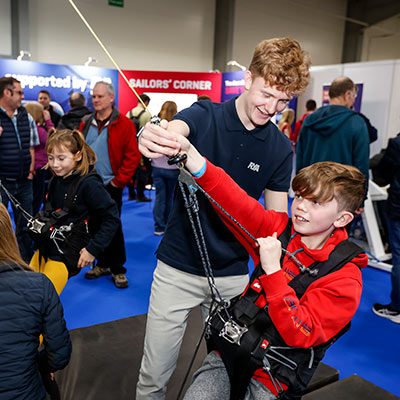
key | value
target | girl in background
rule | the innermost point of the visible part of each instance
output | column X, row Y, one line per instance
column 29, row 307
column 285, row 123
column 71, row 161
column 164, row 178
column 43, row 124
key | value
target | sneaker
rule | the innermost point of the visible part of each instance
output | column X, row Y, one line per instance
column 120, row 281
column 159, row 233
column 96, row 272
column 386, row 311
column 143, row 199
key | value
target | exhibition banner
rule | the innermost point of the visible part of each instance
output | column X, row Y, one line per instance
column 197, row 83
column 357, row 102
column 59, row 80
column 232, row 84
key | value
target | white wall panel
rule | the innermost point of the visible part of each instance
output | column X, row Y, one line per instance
column 317, row 25
column 150, row 35
column 5, row 28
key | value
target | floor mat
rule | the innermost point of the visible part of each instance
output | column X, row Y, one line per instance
column 106, row 359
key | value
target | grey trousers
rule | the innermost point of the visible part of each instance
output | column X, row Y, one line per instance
column 173, row 295
column 211, row 382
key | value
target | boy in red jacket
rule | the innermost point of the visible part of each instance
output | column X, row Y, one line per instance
column 326, row 197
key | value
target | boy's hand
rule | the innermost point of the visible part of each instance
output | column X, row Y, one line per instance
column 155, row 141
column 85, row 259
column 270, row 253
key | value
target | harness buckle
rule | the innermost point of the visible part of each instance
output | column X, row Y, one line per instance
column 233, row 332
column 35, row 225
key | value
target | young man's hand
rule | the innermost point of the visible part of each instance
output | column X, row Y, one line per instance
column 270, row 253
column 156, row 141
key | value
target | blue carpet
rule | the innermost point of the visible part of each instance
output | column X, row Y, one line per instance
column 371, row 349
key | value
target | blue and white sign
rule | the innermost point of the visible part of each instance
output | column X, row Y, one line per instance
column 232, row 85
column 59, row 80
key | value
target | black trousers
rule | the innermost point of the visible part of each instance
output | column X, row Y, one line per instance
column 141, row 177
column 114, row 256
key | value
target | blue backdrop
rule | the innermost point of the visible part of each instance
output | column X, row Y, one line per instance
column 59, row 80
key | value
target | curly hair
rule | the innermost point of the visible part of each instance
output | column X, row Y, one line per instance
column 282, row 63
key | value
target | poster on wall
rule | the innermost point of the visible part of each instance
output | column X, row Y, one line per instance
column 357, row 102
column 232, row 85
column 59, row 80
column 160, row 86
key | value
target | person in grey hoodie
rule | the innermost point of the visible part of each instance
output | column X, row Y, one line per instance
column 335, row 132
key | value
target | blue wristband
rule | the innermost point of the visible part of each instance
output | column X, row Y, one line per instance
column 201, row 171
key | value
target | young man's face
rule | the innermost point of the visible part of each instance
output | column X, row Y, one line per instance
column 102, row 99
column 315, row 221
column 44, row 100
column 262, row 100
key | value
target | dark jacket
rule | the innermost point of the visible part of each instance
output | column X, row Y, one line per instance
column 91, row 200
column 72, row 119
column 54, row 115
column 389, row 169
column 29, row 306
column 15, row 157
column 334, row 133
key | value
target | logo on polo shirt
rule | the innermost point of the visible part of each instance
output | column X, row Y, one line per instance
column 253, row 166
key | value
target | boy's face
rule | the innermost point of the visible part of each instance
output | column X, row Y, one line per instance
column 316, row 221
column 263, row 101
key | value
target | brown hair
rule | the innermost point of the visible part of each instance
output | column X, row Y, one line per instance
column 168, row 110
column 7, row 82
column 326, row 180
column 36, row 110
column 340, row 86
column 75, row 143
column 8, row 243
column 282, row 63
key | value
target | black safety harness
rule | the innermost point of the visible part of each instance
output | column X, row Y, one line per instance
column 48, row 225
column 243, row 333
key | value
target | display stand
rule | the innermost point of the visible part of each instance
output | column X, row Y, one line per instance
column 376, row 248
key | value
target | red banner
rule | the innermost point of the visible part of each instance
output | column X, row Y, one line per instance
column 196, row 83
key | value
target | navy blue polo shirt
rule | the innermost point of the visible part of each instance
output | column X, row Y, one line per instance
column 256, row 159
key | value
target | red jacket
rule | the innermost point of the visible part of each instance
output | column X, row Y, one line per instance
column 294, row 137
column 122, row 146
column 328, row 304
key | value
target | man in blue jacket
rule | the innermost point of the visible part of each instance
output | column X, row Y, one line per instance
column 18, row 136
column 335, row 132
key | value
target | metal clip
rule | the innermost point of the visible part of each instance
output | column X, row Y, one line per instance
column 232, row 332
column 35, row 225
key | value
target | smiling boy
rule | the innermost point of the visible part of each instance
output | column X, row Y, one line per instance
column 239, row 137
column 302, row 320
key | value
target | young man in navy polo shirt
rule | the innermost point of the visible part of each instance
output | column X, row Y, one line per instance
column 239, row 137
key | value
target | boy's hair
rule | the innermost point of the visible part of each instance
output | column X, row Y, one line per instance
column 282, row 63
column 74, row 141
column 326, row 180
column 35, row 109
column 340, row 86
